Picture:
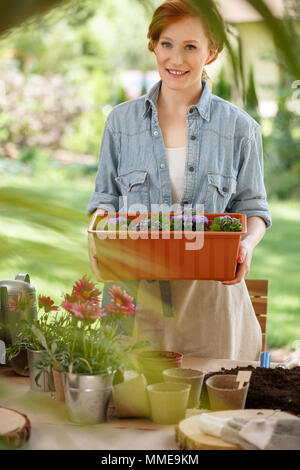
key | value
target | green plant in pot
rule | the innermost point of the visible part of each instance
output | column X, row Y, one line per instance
column 87, row 348
column 34, row 335
column 96, row 348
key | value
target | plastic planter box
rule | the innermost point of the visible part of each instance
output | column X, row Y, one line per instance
column 160, row 255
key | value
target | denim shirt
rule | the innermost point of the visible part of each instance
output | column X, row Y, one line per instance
column 224, row 163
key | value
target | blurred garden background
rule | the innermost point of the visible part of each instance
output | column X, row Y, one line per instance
column 60, row 75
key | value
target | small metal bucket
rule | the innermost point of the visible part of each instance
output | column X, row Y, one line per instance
column 45, row 381
column 87, row 397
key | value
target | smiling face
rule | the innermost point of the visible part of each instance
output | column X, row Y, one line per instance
column 182, row 50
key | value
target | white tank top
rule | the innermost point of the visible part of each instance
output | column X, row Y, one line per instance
column 176, row 161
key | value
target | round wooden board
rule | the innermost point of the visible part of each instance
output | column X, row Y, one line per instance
column 190, row 437
column 15, row 427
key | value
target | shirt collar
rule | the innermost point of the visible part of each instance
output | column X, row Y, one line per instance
column 203, row 105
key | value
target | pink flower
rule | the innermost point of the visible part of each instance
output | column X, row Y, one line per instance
column 122, row 302
column 86, row 291
column 46, row 303
column 86, row 310
column 21, row 302
column 67, row 305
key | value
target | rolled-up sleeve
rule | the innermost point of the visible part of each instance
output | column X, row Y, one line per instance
column 250, row 197
column 106, row 194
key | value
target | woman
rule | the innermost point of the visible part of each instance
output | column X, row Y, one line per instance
column 182, row 144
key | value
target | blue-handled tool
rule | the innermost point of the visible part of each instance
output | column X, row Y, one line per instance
column 265, row 359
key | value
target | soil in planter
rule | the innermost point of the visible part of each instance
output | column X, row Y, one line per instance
column 160, row 356
column 277, row 388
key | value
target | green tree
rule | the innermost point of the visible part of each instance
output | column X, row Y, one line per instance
column 251, row 96
column 222, row 87
column 282, row 146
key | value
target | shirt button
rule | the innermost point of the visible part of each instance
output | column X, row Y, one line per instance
column 162, row 165
column 191, row 168
column 155, row 133
column 193, row 137
column 225, row 189
column 191, row 110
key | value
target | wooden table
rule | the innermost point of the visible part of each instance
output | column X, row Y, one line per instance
column 52, row 430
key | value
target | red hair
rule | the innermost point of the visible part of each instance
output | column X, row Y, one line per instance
column 173, row 10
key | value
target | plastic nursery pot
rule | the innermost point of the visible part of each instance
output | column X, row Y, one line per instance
column 153, row 363
column 224, row 394
column 168, row 401
column 87, row 397
column 131, row 399
column 190, row 376
column 45, row 381
column 58, row 383
column 170, row 255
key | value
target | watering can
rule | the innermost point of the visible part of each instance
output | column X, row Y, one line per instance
column 9, row 317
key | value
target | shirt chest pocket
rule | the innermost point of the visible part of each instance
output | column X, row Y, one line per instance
column 134, row 187
column 220, row 188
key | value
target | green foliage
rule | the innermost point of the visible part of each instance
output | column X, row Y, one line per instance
column 225, row 224
column 78, row 43
column 222, row 87
column 82, row 339
column 37, row 333
column 121, row 96
column 277, row 258
column 282, row 147
column 83, row 134
column 251, row 96
column 281, row 185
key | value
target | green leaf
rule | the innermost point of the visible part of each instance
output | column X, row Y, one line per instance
column 41, row 338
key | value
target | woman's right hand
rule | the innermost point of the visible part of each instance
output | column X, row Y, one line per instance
column 95, row 214
column 93, row 257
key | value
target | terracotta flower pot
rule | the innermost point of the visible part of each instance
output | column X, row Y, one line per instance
column 153, row 363
column 169, row 255
column 58, row 383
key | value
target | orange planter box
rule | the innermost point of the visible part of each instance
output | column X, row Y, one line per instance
column 161, row 255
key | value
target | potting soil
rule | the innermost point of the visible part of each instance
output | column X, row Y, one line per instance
column 270, row 388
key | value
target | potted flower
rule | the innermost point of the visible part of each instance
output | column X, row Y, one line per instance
column 88, row 348
column 165, row 246
column 96, row 350
column 34, row 335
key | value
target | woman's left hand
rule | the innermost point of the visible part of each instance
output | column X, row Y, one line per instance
column 244, row 262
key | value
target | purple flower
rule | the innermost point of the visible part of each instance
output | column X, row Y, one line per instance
column 116, row 220
column 199, row 219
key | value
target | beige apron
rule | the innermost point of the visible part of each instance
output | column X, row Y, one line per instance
column 210, row 320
